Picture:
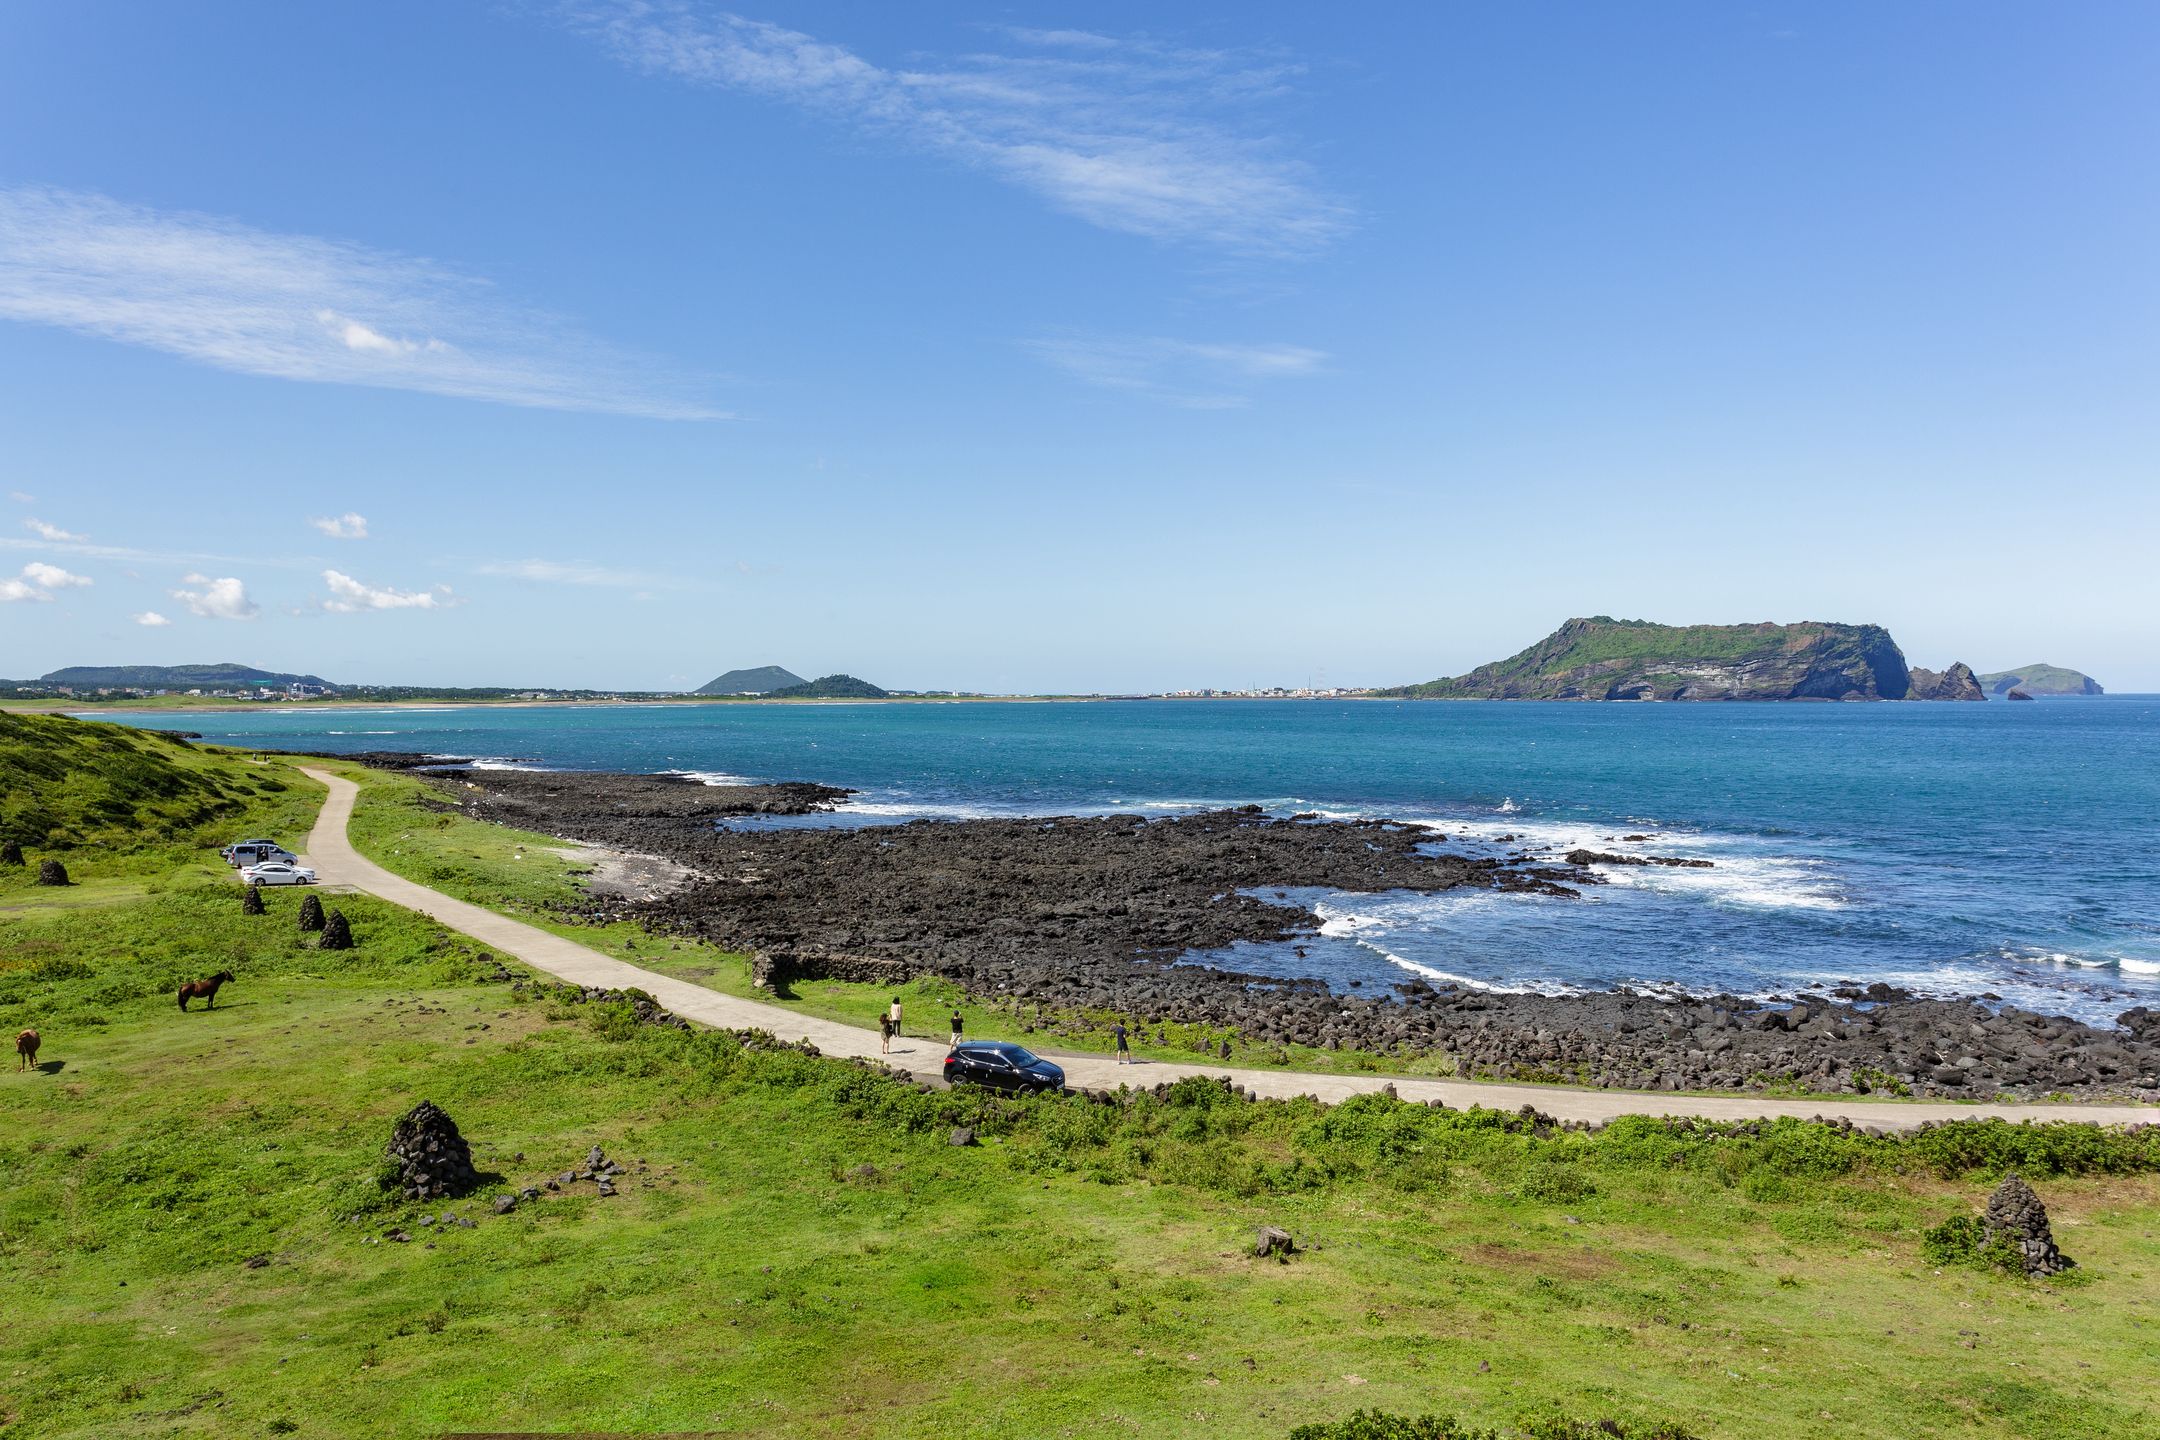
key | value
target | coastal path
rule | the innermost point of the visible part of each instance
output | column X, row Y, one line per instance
column 336, row 862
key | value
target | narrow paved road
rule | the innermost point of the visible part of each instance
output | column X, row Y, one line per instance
column 330, row 852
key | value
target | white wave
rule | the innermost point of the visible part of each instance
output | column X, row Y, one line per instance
column 713, row 777
column 1363, row 930
column 493, row 763
column 1509, row 807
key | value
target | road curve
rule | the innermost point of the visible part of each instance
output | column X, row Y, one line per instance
column 336, row 862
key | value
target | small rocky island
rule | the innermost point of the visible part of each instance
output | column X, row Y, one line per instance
column 1600, row 658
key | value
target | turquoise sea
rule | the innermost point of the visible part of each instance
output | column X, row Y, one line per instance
column 1955, row 849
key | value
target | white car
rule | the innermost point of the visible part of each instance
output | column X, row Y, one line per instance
column 277, row 872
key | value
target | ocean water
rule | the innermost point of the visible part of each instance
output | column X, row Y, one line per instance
column 1953, row 849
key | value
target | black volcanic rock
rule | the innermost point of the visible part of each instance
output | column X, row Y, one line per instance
column 1956, row 683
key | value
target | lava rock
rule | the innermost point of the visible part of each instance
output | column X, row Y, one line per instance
column 433, row 1160
column 52, row 872
column 10, row 853
column 251, row 900
column 336, row 933
column 311, row 912
column 2015, row 1215
column 961, row 1135
column 1273, row 1240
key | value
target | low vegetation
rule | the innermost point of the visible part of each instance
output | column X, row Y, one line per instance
column 196, row 1237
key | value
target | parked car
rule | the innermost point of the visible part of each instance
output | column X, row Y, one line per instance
column 1001, row 1065
column 278, row 872
column 256, row 852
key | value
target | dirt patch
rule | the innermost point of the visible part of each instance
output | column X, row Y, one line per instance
column 1562, row 1264
column 624, row 875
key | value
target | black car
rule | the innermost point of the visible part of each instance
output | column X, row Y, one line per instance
column 1002, row 1066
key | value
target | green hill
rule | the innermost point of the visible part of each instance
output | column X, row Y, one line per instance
column 177, row 677
column 1600, row 658
column 830, row 687
column 2041, row 680
column 67, row 783
column 761, row 681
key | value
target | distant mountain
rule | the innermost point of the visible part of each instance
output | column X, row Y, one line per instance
column 762, row 681
column 177, row 677
column 2041, row 680
column 1600, row 658
column 830, row 687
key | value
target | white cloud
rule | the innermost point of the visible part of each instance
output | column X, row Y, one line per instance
column 52, row 532
column 1200, row 376
column 52, row 577
column 1128, row 134
column 38, row 581
column 20, row 498
column 300, row 308
column 564, row 572
column 152, row 619
column 348, row 596
column 349, row 526
column 224, row 599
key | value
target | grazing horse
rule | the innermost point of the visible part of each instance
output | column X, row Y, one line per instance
column 204, row 990
column 26, row 1050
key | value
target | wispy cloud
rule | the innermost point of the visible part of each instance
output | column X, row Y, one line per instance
column 38, row 581
column 151, row 618
column 300, row 308
column 349, row 526
column 1196, row 375
column 223, row 599
column 1128, row 134
column 20, row 498
column 567, row 572
column 348, row 596
column 53, row 532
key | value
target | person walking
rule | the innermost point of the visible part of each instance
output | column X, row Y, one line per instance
column 1124, row 1050
column 884, row 1030
column 957, row 1026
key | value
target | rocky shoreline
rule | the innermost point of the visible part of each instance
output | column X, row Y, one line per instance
column 1096, row 914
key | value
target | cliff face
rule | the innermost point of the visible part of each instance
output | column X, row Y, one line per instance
column 1956, row 683
column 1601, row 658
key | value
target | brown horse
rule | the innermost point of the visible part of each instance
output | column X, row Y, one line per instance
column 26, row 1050
column 204, row 990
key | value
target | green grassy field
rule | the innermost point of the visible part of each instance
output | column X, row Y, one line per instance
column 799, row 1251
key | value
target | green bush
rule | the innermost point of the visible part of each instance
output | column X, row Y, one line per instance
column 1962, row 1240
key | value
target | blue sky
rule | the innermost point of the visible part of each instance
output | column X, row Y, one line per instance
column 1054, row 347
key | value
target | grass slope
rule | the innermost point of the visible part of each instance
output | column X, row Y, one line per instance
column 798, row 1251
column 66, row 784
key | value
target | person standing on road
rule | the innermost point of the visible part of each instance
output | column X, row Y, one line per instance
column 884, row 1030
column 957, row 1026
column 1124, row 1051
column 892, row 1015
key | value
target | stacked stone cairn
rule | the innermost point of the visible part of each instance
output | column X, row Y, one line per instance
column 433, row 1160
column 52, row 872
column 251, row 901
column 311, row 913
column 2016, row 1216
column 336, row 932
column 11, row 853
column 598, row 1168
